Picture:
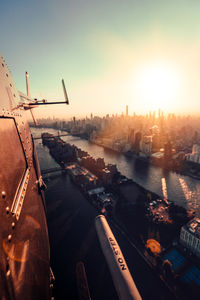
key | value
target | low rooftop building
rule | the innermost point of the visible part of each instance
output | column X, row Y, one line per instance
column 190, row 236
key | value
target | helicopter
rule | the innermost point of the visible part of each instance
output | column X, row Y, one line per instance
column 25, row 271
column 24, row 268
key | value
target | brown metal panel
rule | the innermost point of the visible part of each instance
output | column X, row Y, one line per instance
column 24, row 243
column 9, row 97
column 12, row 160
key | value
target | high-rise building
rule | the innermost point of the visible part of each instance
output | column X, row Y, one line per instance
column 138, row 137
column 190, row 236
column 126, row 110
column 131, row 137
column 195, row 155
column 146, row 144
column 159, row 113
column 168, row 150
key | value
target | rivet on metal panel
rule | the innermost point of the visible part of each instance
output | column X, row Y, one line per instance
column 9, row 237
column 3, row 194
column 13, row 225
column 7, row 209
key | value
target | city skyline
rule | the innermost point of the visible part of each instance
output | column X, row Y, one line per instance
column 144, row 55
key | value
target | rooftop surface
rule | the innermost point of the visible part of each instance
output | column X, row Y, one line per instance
column 176, row 259
column 193, row 227
column 192, row 276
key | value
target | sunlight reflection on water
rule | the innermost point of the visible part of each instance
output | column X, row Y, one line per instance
column 183, row 190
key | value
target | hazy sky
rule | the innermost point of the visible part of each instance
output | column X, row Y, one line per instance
column 144, row 53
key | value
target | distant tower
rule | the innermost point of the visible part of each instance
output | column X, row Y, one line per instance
column 159, row 113
column 131, row 137
column 138, row 137
column 126, row 110
column 168, row 150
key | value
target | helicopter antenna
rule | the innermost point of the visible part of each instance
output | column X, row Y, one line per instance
column 29, row 95
column 65, row 92
column 32, row 103
column 27, row 85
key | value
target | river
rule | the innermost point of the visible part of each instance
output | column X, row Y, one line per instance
column 73, row 238
column 182, row 190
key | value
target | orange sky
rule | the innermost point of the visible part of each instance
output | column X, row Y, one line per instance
column 145, row 54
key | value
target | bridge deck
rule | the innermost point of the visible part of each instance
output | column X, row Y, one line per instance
column 39, row 138
column 52, row 170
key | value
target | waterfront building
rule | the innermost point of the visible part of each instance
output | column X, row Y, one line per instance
column 195, row 155
column 106, row 176
column 82, row 176
column 112, row 168
column 100, row 163
column 138, row 137
column 146, row 144
column 156, row 145
column 131, row 137
column 168, row 150
column 190, row 236
column 127, row 147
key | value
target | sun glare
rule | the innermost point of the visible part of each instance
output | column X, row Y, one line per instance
column 158, row 86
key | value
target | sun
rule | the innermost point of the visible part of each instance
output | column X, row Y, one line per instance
column 157, row 85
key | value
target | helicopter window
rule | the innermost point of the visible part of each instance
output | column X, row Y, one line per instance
column 12, row 159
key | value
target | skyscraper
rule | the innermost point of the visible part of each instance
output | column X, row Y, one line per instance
column 126, row 110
